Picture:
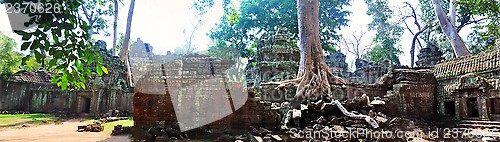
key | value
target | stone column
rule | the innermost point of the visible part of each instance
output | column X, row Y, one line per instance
column 483, row 108
column 459, row 107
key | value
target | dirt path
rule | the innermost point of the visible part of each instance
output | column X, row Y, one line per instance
column 65, row 132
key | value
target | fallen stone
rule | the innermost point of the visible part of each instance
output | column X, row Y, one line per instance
column 257, row 139
column 277, row 138
column 90, row 128
column 58, row 122
column 162, row 139
column 174, row 133
column 267, row 138
column 264, row 131
column 141, row 135
column 380, row 119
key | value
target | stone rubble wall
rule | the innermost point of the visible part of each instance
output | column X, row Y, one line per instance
column 178, row 83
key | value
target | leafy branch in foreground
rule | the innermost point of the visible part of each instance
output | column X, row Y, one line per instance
column 65, row 37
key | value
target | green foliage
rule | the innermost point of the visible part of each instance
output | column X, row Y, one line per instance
column 256, row 17
column 31, row 64
column 65, row 38
column 9, row 59
column 468, row 12
column 95, row 11
column 481, row 41
column 484, row 35
column 388, row 34
column 223, row 51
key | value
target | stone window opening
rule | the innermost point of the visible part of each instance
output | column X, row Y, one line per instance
column 495, row 105
column 449, row 108
column 473, row 110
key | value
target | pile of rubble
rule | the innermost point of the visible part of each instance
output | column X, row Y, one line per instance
column 327, row 118
column 96, row 126
column 114, row 113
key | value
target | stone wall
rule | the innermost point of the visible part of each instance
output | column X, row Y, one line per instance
column 178, row 88
column 33, row 91
column 14, row 96
column 370, row 72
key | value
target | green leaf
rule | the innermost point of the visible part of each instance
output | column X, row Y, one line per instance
column 104, row 69
column 26, row 58
column 25, row 45
column 53, row 62
column 38, row 56
column 78, row 65
column 99, row 71
column 55, row 79
column 89, row 73
column 99, row 60
column 64, row 83
column 82, row 85
column 26, row 37
column 91, row 59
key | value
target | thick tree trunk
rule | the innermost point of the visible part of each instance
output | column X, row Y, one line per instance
column 314, row 75
column 115, row 25
column 309, row 42
column 126, row 40
column 450, row 31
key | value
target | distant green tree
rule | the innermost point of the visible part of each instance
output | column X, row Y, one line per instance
column 10, row 60
column 240, row 27
column 386, row 40
column 95, row 11
column 484, row 35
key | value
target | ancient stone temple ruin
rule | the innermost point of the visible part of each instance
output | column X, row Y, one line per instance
column 34, row 92
column 336, row 63
column 184, row 91
column 469, row 87
column 277, row 59
column 429, row 56
column 377, row 93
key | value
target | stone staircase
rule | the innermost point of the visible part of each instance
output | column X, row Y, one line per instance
column 479, row 124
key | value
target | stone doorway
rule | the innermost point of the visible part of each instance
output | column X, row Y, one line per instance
column 494, row 109
column 472, row 108
column 449, row 108
column 86, row 105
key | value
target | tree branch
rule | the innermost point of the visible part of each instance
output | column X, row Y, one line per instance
column 414, row 15
column 463, row 24
column 412, row 50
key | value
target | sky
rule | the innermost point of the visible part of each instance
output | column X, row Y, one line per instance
column 162, row 22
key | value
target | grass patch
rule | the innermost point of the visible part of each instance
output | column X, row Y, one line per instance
column 7, row 120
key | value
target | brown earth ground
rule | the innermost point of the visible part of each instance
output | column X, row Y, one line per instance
column 65, row 132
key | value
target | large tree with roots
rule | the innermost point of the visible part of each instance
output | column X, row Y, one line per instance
column 314, row 77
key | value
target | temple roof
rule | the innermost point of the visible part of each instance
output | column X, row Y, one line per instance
column 40, row 76
column 482, row 62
